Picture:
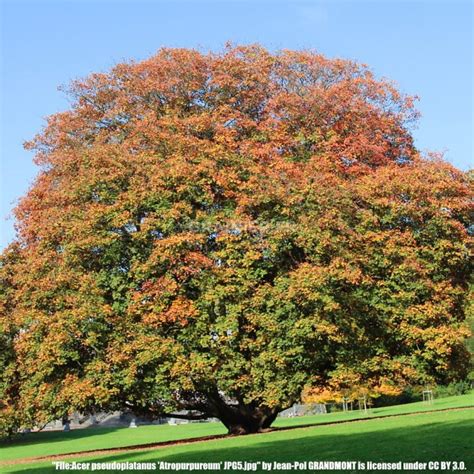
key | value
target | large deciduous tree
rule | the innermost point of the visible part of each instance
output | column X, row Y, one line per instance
column 213, row 233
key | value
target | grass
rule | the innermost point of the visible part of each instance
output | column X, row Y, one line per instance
column 50, row 443
column 457, row 401
column 58, row 442
column 440, row 436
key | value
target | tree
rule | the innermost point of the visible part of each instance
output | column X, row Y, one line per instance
column 10, row 414
column 217, row 232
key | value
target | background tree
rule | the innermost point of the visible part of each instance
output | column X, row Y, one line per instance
column 215, row 232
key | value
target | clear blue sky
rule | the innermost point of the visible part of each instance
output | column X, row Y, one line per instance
column 425, row 46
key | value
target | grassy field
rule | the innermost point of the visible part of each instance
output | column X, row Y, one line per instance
column 442, row 436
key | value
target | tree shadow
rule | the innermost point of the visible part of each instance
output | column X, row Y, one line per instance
column 57, row 436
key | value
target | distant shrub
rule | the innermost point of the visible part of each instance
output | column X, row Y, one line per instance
column 455, row 388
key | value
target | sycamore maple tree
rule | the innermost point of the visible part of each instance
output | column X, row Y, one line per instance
column 215, row 233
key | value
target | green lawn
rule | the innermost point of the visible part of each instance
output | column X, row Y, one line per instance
column 58, row 442
column 439, row 404
column 48, row 443
column 442, row 436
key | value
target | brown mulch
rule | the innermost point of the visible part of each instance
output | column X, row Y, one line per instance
column 162, row 444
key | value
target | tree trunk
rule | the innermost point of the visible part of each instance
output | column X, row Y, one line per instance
column 240, row 420
column 238, row 416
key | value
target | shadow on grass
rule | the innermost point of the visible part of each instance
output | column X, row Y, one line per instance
column 56, row 436
column 444, row 441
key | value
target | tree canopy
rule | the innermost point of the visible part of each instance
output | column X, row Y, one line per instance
column 218, row 232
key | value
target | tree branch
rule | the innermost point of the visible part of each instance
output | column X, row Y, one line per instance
column 182, row 416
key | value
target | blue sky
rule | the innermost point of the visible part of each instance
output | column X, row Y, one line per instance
column 425, row 46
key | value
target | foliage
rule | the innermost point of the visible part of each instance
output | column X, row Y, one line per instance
column 10, row 419
column 216, row 232
column 454, row 388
